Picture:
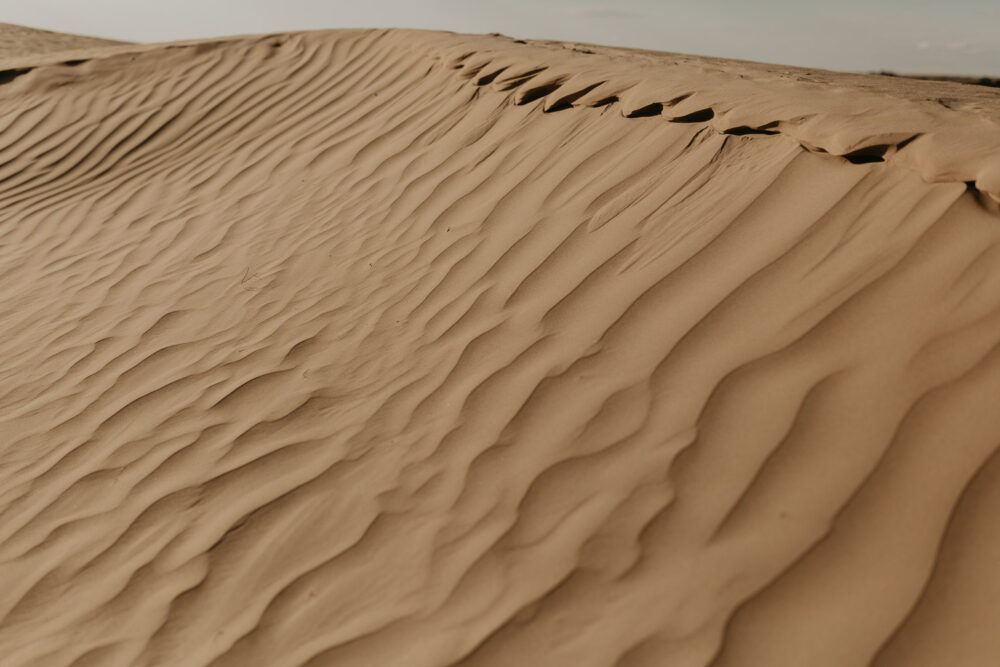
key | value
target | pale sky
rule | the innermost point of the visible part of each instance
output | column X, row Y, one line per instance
column 914, row 36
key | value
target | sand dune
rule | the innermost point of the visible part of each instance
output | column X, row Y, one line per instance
column 18, row 41
column 404, row 348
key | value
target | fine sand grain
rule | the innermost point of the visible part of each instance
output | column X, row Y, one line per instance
column 394, row 348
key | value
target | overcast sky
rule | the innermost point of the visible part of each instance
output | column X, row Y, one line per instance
column 957, row 37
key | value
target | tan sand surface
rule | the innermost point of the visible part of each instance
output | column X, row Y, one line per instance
column 416, row 349
column 17, row 40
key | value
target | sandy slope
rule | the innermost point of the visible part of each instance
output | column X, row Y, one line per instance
column 17, row 40
column 397, row 348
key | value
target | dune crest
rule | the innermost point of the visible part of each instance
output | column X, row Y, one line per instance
column 19, row 41
column 405, row 348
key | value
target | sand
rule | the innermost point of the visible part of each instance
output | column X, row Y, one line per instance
column 16, row 41
column 418, row 349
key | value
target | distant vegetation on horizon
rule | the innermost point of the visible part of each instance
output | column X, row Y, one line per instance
column 972, row 80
